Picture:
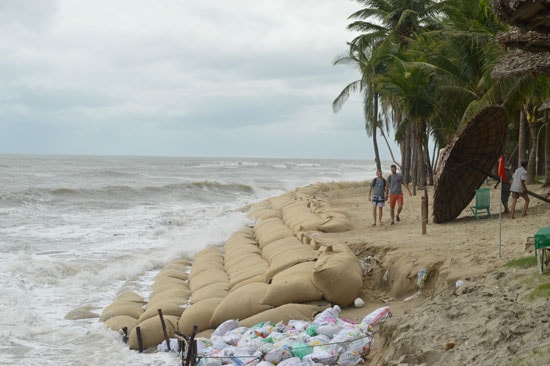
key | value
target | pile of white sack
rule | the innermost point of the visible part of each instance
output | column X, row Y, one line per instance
column 327, row 340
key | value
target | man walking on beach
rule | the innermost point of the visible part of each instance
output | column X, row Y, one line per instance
column 519, row 188
column 395, row 180
column 505, row 189
column 378, row 190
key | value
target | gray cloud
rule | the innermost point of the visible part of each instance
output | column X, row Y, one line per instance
column 177, row 77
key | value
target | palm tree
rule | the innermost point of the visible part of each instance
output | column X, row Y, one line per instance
column 387, row 27
column 358, row 58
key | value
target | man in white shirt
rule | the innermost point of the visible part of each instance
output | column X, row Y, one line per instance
column 519, row 188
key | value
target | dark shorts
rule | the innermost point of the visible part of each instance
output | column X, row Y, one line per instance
column 517, row 195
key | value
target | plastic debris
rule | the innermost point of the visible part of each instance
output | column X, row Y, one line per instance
column 327, row 340
column 422, row 277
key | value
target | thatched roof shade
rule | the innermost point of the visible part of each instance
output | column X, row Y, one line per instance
column 466, row 162
column 526, row 14
column 520, row 62
column 529, row 35
column 528, row 41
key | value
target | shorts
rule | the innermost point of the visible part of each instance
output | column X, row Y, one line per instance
column 517, row 195
column 396, row 198
column 378, row 201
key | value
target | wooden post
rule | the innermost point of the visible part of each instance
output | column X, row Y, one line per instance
column 424, row 211
column 192, row 346
column 140, row 341
column 163, row 324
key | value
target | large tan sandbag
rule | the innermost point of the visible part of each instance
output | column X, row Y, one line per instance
column 293, row 285
column 247, row 273
column 198, row 314
column 280, row 201
column 130, row 296
column 241, row 259
column 335, row 225
column 211, row 252
column 280, row 246
column 169, row 291
column 173, row 307
column 206, row 278
column 172, row 273
column 167, row 282
column 182, row 264
column 133, row 310
column 238, row 242
column 338, row 275
column 207, row 258
column 215, row 290
column 116, row 323
column 284, row 260
column 152, row 333
column 203, row 265
column 263, row 213
column 284, row 313
column 257, row 278
column 240, row 304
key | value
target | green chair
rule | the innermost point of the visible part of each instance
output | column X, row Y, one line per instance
column 483, row 204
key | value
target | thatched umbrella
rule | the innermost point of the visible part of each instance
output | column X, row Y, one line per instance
column 466, row 162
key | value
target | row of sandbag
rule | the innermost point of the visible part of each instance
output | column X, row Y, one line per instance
column 265, row 272
column 170, row 292
column 304, row 210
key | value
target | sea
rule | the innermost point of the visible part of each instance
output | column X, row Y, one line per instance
column 75, row 231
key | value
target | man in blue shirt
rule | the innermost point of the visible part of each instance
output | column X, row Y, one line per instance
column 377, row 193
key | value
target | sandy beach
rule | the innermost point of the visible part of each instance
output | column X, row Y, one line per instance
column 473, row 308
column 487, row 320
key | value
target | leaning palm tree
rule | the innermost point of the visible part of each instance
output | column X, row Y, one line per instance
column 386, row 27
column 358, row 58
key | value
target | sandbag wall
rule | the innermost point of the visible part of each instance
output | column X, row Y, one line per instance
column 269, row 272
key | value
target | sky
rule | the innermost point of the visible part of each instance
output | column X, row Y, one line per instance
column 239, row 78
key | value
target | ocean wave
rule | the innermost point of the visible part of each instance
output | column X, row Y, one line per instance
column 194, row 190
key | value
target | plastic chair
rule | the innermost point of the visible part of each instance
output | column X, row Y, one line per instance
column 483, row 204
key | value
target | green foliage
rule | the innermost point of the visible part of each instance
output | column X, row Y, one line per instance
column 523, row 262
column 541, row 291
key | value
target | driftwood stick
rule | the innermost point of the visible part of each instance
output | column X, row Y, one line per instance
column 191, row 347
column 139, row 339
column 163, row 324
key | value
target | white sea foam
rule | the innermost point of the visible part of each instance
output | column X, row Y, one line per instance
column 75, row 231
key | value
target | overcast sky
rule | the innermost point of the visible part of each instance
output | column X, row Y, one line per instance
column 242, row 78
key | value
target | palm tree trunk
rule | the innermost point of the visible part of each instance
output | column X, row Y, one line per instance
column 522, row 142
column 420, row 154
column 374, row 133
column 531, row 167
column 547, row 151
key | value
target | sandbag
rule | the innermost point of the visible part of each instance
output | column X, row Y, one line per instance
column 133, row 310
column 284, row 314
column 215, row 290
column 335, row 225
column 198, row 314
column 293, row 285
column 240, row 304
column 116, row 323
column 246, row 273
column 206, row 278
column 152, row 333
column 338, row 275
column 284, row 260
column 263, row 213
column 173, row 307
